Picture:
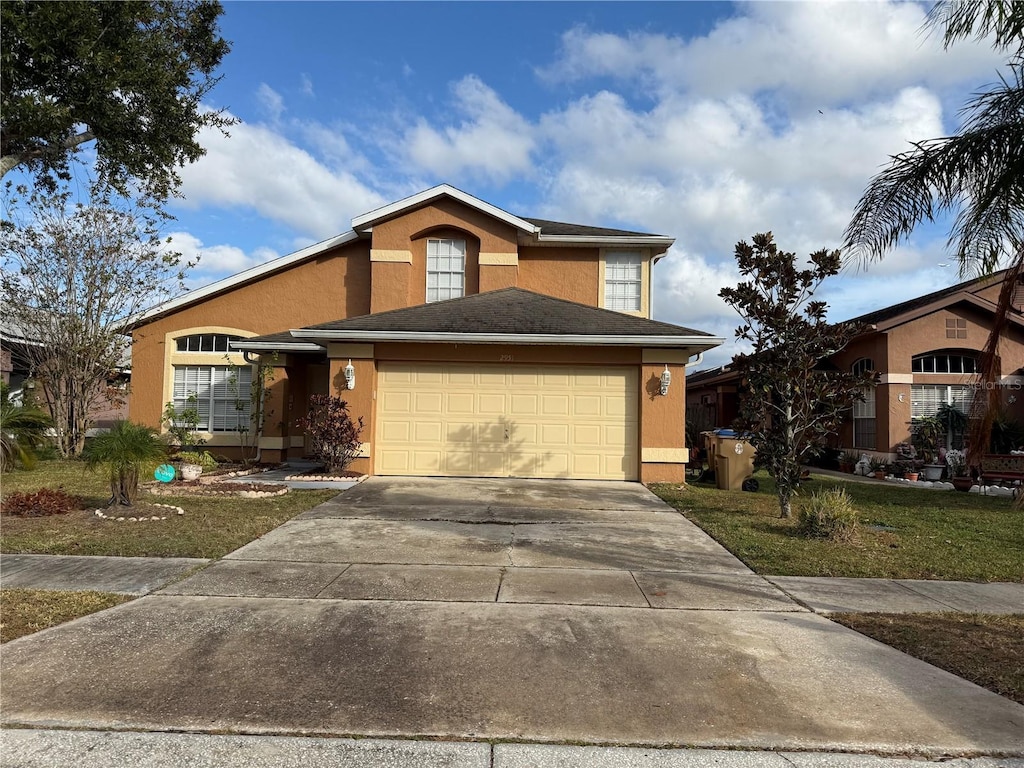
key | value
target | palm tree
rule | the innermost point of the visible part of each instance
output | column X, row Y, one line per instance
column 976, row 175
column 22, row 428
column 126, row 451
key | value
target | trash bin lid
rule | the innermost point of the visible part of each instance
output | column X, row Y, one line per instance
column 725, row 432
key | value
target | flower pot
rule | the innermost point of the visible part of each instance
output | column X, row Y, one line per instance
column 912, row 476
column 191, row 471
column 933, row 472
column 880, row 474
column 962, row 483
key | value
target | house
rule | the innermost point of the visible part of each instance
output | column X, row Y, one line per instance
column 925, row 352
column 471, row 341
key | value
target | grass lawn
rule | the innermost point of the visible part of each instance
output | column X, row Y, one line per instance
column 985, row 649
column 24, row 611
column 210, row 527
column 905, row 533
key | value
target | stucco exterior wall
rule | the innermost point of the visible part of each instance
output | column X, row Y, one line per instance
column 567, row 273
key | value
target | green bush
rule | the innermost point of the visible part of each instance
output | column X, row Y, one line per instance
column 829, row 515
column 205, row 459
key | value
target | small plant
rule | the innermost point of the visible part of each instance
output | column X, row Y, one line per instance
column 41, row 503
column 829, row 515
column 877, row 465
column 204, row 459
column 183, row 424
column 956, row 463
column 333, row 434
column 22, row 430
column 125, row 451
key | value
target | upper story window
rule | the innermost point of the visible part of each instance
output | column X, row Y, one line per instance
column 623, row 278
column 862, row 366
column 446, row 269
column 205, row 342
column 943, row 362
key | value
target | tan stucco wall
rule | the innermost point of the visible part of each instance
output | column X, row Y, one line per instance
column 496, row 276
column 662, row 420
column 327, row 288
column 567, row 273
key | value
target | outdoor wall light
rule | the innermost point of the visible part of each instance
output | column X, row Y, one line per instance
column 350, row 376
column 666, row 379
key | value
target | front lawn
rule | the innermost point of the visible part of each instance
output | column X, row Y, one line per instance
column 210, row 527
column 24, row 611
column 985, row 649
column 905, row 533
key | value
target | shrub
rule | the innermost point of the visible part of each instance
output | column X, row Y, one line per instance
column 205, row 459
column 829, row 515
column 124, row 452
column 41, row 503
column 333, row 435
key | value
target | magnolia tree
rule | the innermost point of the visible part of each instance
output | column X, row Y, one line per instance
column 790, row 403
column 72, row 277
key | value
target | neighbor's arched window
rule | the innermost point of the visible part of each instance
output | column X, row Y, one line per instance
column 944, row 362
column 864, row 413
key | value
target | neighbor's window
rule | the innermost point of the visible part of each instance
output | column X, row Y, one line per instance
column 446, row 269
column 222, row 395
column 944, row 363
column 623, row 277
column 205, row 342
column 864, row 413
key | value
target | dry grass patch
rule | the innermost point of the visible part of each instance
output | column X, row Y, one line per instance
column 24, row 611
column 983, row 648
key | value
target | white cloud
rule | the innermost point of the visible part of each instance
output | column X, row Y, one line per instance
column 270, row 102
column 493, row 142
column 259, row 168
column 214, row 260
column 306, row 85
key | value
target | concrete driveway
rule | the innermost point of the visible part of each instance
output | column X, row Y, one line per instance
column 482, row 609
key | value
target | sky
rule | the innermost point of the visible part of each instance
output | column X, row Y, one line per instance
column 708, row 122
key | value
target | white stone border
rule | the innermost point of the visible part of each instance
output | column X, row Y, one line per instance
column 121, row 519
column 325, row 479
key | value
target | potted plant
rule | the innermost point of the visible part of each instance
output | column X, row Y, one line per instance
column 956, row 465
column 878, row 467
column 928, row 430
column 847, row 461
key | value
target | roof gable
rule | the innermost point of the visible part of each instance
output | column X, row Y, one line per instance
column 367, row 220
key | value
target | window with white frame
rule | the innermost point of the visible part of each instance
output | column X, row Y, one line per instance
column 944, row 362
column 220, row 395
column 623, row 280
column 205, row 342
column 446, row 269
column 864, row 412
column 926, row 399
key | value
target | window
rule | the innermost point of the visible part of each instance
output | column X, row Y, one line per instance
column 623, row 277
column 956, row 328
column 205, row 342
column 943, row 362
column 221, row 392
column 925, row 399
column 864, row 413
column 446, row 269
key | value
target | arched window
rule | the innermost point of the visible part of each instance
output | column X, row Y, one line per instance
column 945, row 362
column 864, row 412
column 205, row 342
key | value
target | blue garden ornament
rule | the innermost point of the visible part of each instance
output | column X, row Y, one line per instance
column 164, row 473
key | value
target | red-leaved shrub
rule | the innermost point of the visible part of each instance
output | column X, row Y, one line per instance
column 45, row 501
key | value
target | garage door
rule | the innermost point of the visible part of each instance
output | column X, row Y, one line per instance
column 478, row 420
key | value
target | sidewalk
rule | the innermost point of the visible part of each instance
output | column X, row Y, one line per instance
column 142, row 575
column 96, row 749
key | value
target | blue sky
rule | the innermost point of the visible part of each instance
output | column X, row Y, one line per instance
column 708, row 122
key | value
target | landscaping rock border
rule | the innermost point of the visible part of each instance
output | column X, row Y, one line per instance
column 253, row 491
column 136, row 518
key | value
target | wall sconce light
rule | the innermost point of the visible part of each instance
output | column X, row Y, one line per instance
column 666, row 379
column 350, row 376
column 1011, row 399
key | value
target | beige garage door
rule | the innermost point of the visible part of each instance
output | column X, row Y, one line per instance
column 479, row 420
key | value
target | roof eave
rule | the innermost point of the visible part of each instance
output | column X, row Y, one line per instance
column 697, row 343
column 253, row 273
column 367, row 220
column 647, row 240
column 273, row 346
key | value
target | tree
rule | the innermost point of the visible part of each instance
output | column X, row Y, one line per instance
column 128, row 77
column 791, row 403
column 976, row 175
column 124, row 451
column 72, row 276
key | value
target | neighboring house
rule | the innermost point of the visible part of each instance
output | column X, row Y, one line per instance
column 925, row 352
column 477, row 343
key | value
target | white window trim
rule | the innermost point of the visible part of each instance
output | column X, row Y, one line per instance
column 645, row 280
column 427, row 288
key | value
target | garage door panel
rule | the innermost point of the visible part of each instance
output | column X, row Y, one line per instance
column 504, row 420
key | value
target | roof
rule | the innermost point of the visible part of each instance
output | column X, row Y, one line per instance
column 887, row 313
column 509, row 315
column 539, row 230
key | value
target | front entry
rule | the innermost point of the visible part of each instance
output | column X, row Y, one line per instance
column 492, row 420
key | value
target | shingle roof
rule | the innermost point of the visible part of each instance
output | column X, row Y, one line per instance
column 506, row 311
column 580, row 230
column 886, row 313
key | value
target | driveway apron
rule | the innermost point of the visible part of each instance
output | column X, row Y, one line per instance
column 496, row 609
